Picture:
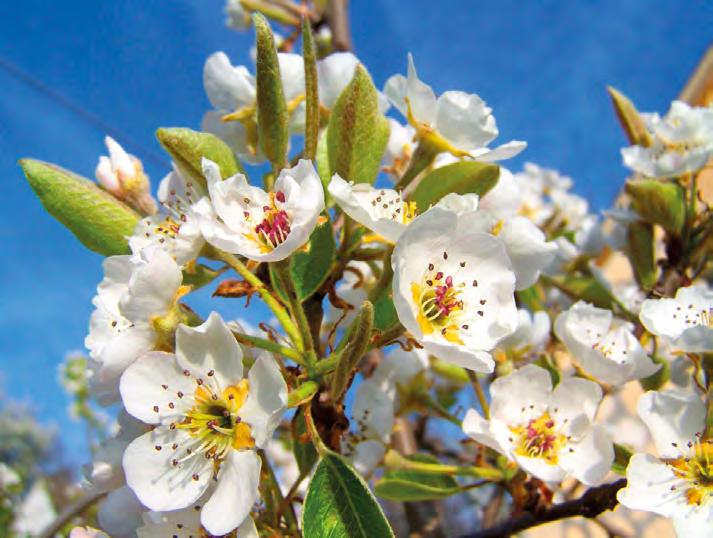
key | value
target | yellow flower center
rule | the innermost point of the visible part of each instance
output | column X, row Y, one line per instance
column 214, row 420
column 539, row 439
column 439, row 305
column 696, row 469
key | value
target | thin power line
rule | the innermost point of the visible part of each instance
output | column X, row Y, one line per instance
column 142, row 151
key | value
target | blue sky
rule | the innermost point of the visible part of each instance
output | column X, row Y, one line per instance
column 134, row 66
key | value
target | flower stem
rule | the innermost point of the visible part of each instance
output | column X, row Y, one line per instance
column 282, row 269
column 269, row 345
column 475, row 381
column 270, row 300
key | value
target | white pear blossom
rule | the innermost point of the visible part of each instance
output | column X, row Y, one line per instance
column 373, row 415
column 603, row 345
column 123, row 176
column 531, row 335
column 687, row 319
column 135, row 293
column 681, row 142
column 186, row 523
column 526, row 245
column 453, row 288
column 383, row 211
column 261, row 226
column 232, row 92
column 209, row 419
column 176, row 230
column 549, row 433
column 459, row 123
column 399, row 148
column 334, row 73
column 679, row 484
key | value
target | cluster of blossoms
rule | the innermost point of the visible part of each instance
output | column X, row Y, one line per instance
column 440, row 271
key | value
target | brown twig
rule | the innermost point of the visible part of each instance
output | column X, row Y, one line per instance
column 337, row 16
column 590, row 505
column 74, row 509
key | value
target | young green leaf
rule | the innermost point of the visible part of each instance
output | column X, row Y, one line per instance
column 340, row 505
column 357, row 132
column 632, row 123
column 187, row 149
column 408, row 485
column 463, row 177
column 585, row 288
column 641, row 253
column 311, row 91
column 271, row 106
column 101, row 222
column 658, row 202
column 355, row 345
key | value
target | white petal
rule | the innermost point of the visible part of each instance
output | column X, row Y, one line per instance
column 142, row 388
column 120, row 513
column 465, row 120
column 367, row 455
column 502, row 152
column 696, row 522
column 523, row 395
column 334, row 74
column 421, row 96
column 267, row 398
column 237, row 491
column 541, row 469
column 574, row 397
column 228, row 88
column 672, row 418
column 210, row 351
column 528, row 250
column 373, row 409
column 158, row 483
column 476, row 360
column 475, row 426
column 589, row 459
column 247, row 529
column 648, row 487
column 152, row 287
column 120, row 160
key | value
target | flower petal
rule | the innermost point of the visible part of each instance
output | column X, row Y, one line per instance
column 267, row 398
column 235, row 494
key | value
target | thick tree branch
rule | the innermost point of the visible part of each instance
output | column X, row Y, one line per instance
column 591, row 504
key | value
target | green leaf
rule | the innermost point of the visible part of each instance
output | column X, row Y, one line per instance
column 463, row 177
column 357, row 132
column 352, row 348
column 272, row 114
column 311, row 91
column 658, row 202
column 310, row 268
column 641, row 253
column 340, row 505
column 302, row 446
column 187, row 149
column 385, row 316
column 407, row 485
column 532, row 297
column 656, row 380
column 632, row 123
column 101, row 222
column 622, row 455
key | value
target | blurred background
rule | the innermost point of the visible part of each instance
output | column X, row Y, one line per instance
column 73, row 71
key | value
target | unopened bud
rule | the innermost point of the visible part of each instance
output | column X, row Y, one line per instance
column 123, row 176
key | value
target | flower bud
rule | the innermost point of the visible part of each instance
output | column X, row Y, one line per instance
column 123, row 176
